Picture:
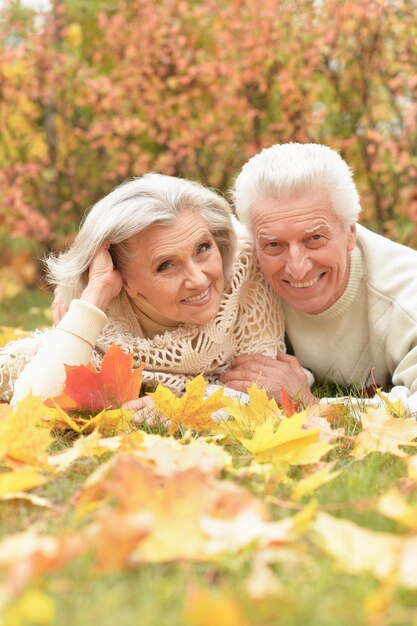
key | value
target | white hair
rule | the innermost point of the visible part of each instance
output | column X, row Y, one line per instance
column 288, row 169
column 128, row 210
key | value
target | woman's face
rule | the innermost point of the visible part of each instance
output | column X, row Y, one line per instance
column 178, row 269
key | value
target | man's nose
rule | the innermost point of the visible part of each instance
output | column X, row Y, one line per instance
column 298, row 263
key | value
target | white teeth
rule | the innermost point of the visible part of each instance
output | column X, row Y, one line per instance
column 308, row 283
column 197, row 298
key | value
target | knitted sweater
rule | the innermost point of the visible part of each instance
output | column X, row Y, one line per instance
column 249, row 320
column 371, row 331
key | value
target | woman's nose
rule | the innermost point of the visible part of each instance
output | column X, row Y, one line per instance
column 195, row 276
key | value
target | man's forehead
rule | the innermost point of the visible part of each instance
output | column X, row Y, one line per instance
column 265, row 233
column 275, row 216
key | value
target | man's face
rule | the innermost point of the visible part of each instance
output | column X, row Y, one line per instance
column 303, row 249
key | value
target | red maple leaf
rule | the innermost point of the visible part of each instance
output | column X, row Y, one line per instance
column 87, row 389
column 289, row 407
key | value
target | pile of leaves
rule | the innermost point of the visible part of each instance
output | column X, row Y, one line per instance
column 235, row 512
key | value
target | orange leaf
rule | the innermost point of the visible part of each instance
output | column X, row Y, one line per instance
column 87, row 389
column 288, row 405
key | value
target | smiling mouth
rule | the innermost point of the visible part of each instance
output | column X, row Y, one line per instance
column 305, row 284
column 200, row 296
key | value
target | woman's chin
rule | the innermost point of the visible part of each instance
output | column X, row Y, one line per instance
column 201, row 315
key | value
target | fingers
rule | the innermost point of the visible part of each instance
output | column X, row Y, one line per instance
column 58, row 310
column 246, row 359
column 139, row 403
column 145, row 412
column 287, row 358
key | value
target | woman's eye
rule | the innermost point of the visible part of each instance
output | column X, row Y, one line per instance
column 164, row 266
column 203, row 247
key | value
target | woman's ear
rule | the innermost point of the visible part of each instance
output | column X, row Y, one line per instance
column 130, row 292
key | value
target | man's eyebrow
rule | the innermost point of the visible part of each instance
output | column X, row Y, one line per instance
column 268, row 237
column 314, row 228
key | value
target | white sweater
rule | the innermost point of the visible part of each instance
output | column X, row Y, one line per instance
column 249, row 320
column 372, row 327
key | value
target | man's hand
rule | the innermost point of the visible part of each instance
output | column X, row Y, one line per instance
column 270, row 374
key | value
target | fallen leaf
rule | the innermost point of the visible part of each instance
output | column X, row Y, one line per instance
column 29, row 554
column 248, row 416
column 286, row 442
column 176, row 503
column 384, row 433
column 314, row 481
column 28, row 497
column 393, row 505
column 87, row 446
column 32, row 607
column 22, row 442
column 87, row 389
column 193, row 410
column 168, row 456
column 288, row 405
column 203, row 604
column 396, row 408
column 114, row 536
column 21, row 480
column 390, row 558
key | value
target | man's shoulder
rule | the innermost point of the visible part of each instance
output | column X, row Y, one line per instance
column 390, row 269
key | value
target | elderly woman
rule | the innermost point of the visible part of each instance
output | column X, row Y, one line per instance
column 156, row 268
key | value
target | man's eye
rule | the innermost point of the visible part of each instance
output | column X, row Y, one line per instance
column 273, row 244
column 315, row 237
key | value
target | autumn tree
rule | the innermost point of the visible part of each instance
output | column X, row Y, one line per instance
column 94, row 92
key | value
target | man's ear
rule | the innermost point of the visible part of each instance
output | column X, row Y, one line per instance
column 352, row 237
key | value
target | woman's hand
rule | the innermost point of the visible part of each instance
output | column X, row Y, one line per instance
column 104, row 280
column 145, row 412
column 59, row 307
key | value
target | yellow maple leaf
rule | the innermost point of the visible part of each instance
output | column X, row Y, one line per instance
column 395, row 408
column 192, row 410
column 109, row 421
column 388, row 557
column 202, row 604
column 21, row 480
column 22, row 442
column 287, row 443
column 184, row 497
column 248, row 416
column 87, row 446
column 311, row 483
column 384, row 433
column 392, row 504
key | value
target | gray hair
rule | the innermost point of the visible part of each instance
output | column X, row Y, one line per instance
column 129, row 209
column 287, row 169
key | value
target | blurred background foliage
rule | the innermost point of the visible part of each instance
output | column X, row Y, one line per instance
column 95, row 91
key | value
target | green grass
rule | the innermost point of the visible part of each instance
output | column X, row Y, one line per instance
column 30, row 309
column 309, row 591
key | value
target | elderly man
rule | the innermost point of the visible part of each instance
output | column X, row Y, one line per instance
column 349, row 295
